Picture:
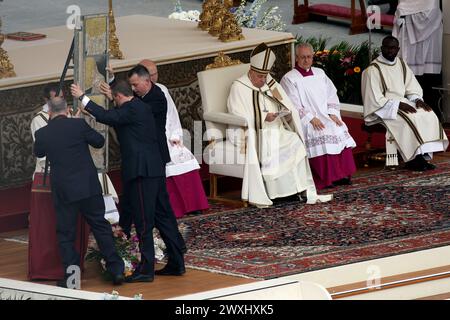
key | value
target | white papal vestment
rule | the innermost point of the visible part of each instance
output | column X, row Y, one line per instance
column 276, row 163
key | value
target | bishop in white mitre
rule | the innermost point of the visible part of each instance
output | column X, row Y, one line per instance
column 328, row 142
column 276, row 162
column 392, row 96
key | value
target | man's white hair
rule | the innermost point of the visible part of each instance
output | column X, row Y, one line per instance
column 304, row 45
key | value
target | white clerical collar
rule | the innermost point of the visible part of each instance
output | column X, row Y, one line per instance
column 45, row 107
column 386, row 61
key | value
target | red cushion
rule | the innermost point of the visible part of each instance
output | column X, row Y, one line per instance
column 387, row 20
column 333, row 10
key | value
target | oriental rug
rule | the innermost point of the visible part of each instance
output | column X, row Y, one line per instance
column 382, row 214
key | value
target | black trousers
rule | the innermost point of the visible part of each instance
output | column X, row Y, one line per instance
column 126, row 210
column 151, row 208
column 93, row 210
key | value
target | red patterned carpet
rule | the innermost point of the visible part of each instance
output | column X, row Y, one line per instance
column 382, row 214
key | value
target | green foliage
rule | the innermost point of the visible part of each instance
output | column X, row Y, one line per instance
column 343, row 63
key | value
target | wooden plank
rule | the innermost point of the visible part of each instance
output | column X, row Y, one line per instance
column 14, row 265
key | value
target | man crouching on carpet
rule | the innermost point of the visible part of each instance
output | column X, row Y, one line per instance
column 143, row 171
column 75, row 186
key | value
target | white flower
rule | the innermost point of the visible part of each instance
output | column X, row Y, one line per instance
column 183, row 15
column 175, row 15
column 194, row 15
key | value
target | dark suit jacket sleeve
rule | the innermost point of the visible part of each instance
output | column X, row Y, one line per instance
column 114, row 117
column 92, row 137
column 39, row 149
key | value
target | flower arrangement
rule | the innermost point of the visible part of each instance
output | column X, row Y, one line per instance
column 343, row 63
column 255, row 18
column 179, row 14
column 128, row 249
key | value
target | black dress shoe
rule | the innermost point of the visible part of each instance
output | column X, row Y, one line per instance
column 430, row 166
column 139, row 277
column 417, row 164
column 170, row 271
column 343, row 182
column 118, row 279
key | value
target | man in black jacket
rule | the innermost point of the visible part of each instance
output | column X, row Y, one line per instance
column 151, row 94
column 143, row 173
column 75, row 186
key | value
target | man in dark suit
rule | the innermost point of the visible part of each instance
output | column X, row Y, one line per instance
column 143, row 88
column 75, row 185
column 143, row 173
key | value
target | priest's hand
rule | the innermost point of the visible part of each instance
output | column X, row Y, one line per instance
column 271, row 116
column 317, row 124
column 406, row 108
column 106, row 90
column 336, row 120
column 423, row 105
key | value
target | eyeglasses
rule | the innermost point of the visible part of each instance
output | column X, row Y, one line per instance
column 153, row 74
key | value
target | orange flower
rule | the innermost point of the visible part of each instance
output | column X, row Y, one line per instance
column 357, row 69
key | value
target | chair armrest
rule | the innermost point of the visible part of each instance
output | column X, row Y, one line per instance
column 352, row 110
column 225, row 118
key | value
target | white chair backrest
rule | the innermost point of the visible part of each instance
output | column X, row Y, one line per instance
column 215, row 87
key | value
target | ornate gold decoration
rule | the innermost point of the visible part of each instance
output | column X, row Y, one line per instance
column 6, row 67
column 207, row 14
column 230, row 31
column 228, row 4
column 114, row 50
column 219, row 12
column 222, row 60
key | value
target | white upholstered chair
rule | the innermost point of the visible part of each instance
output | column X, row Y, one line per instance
column 223, row 157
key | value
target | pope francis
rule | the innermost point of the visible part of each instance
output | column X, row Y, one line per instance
column 276, row 162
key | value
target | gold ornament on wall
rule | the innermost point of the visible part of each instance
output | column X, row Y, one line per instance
column 222, row 60
column 114, row 50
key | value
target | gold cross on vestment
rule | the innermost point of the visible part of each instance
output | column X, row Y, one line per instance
column 390, row 140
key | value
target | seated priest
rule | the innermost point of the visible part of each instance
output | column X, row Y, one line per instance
column 276, row 163
column 393, row 97
column 184, row 184
column 328, row 143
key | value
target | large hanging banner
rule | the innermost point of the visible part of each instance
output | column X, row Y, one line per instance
column 90, row 61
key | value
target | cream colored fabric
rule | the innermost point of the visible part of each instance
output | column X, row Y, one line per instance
column 425, row 127
column 36, row 123
column 407, row 7
column 223, row 157
column 181, row 159
column 419, row 29
column 281, row 168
